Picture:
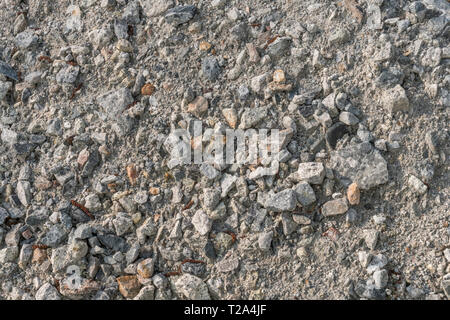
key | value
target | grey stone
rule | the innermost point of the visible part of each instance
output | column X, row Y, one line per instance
column 4, row 88
column 54, row 236
column 201, row 222
column 305, row 193
column 265, row 240
column 285, row 200
column 83, row 231
column 252, row 116
column 211, row 198
column 180, row 14
column 334, row 207
column 9, row 254
column 338, row 36
column 68, row 75
column 146, row 293
column 153, row 8
column 8, row 71
column 446, row 285
column 360, row 163
column 209, row 171
column 26, row 252
column 348, row 118
column 9, row 136
column 395, row 99
column 279, row 47
column 3, row 215
column 371, row 238
column 210, row 68
column 192, row 287
column 289, row 225
column 414, row 292
column 334, row 133
column 227, row 183
column 417, row 185
column 115, row 101
column 26, row 39
column 47, row 292
column 37, row 217
column 381, row 278
column 122, row 223
column 311, row 172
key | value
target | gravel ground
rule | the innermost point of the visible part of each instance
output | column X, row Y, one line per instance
column 354, row 206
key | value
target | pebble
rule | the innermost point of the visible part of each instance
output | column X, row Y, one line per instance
column 23, row 190
column 371, row 238
column 353, row 194
column 285, row 200
column 192, row 287
column 129, row 286
column 395, row 99
column 47, row 292
column 311, row 172
column 334, row 207
column 145, row 268
column 201, row 222
column 417, row 185
column 348, row 118
column 198, row 107
column 265, row 240
column 210, row 68
column 305, row 194
column 180, row 14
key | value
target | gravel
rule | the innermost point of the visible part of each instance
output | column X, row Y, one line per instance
column 353, row 206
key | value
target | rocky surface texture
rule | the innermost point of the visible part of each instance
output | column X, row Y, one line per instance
column 355, row 205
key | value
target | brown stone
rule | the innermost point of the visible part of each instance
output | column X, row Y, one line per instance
column 39, row 256
column 204, row 46
column 147, row 89
column 198, row 107
column 230, row 116
column 145, row 268
column 353, row 194
column 154, row 190
column 83, row 157
column 132, row 174
column 128, row 286
column 252, row 53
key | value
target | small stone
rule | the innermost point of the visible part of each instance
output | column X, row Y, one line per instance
column 447, row 255
column 230, row 116
column 348, row 118
column 265, row 240
column 252, row 116
column 204, row 46
column 153, row 8
column 129, row 286
column 353, row 194
column 146, row 293
column 210, row 68
column 302, row 220
column 285, row 200
column 211, row 198
column 335, row 133
column 311, row 172
column 23, row 191
column 145, row 268
column 278, row 76
column 47, row 292
column 227, row 183
column 371, row 238
column 334, row 207
column 192, row 287
column 180, row 14
column 279, row 47
column 364, row 258
column 414, row 292
column 395, row 99
column 201, row 222
column 417, row 185
column 305, row 193
column 9, row 254
column 381, row 278
column 198, row 107
column 147, row 89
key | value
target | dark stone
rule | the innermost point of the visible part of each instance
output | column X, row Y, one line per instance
column 180, row 14
column 196, row 269
column 210, row 68
column 334, row 133
column 113, row 242
column 209, row 250
column 8, row 71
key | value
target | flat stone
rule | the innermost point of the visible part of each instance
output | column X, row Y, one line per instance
column 153, row 8
column 115, row 101
column 129, row 286
column 348, row 118
column 192, row 287
column 311, row 172
column 360, row 163
column 395, row 99
column 353, row 194
column 180, row 14
column 305, row 193
column 198, row 107
column 47, row 292
column 210, row 68
column 265, row 240
column 285, row 200
column 201, row 222
column 371, row 238
column 417, row 185
column 23, row 190
column 334, row 207
column 145, row 268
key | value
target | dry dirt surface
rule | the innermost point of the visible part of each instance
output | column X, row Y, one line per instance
column 355, row 205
